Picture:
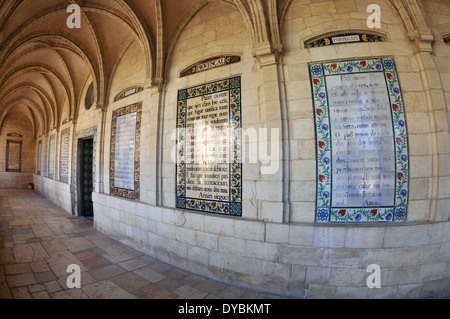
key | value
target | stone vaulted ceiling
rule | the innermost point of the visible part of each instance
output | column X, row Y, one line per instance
column 45, row 65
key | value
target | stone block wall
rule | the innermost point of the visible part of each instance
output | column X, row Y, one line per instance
column 299, row 260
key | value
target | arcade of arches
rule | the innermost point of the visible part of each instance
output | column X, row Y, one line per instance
column 95, row 117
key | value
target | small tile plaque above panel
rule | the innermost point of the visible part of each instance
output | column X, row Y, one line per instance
column 446, row 39
column 362, row 146
column 344, row 38
column 210, row 63
column 125, row 151
column 128, row 92
column 13, row 156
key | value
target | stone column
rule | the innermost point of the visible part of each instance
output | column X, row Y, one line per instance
column 274, row 198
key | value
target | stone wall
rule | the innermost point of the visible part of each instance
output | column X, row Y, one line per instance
column 301, row 260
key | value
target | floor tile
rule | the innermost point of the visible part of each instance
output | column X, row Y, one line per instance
column 96, row 262
column 231, row 292
column 20, row 293
column 19, row 268
column 149, row 274
column 20, row 280
column 38, row 241
column 153, row 292
column 188, row 292
column 40, row 295
column 106, row 272
column 130, row 281
column 106, row 289
column 44, row 276
column 136, row 263
column 77, row 244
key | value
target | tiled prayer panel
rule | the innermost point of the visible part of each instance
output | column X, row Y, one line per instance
column 362, row 147
column 209, row 159
column 51, row 156
column 64, row 156
column 14, row 156
column 125, row 151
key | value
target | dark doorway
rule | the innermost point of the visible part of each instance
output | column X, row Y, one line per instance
column 85, row 182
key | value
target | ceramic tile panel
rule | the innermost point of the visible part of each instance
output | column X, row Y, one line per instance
column 13, row 156
column 209, row 139
column 362, row 145
column 125, row 151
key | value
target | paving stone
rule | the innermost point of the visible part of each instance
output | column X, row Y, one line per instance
column 153, row 292
column 77, row 244
column 107, row 272
column 39, row 266
column 176, row 273
column 20, row 280
column 36, row 288
column 211, row 286
column 88, row 253
column 168, row 284
column 40, row 295
column 136, row 263
column 160, row 266
column 192, row 280
column 130, row 281
column 69, row 294
column 20, row 293
column 53, row 246
column 53, row 286
column 96, row 262
column 6, row 256
column 44, row 276
column 231, row 292
column 106, row 289
column 149, row 274
column 13, row 269
column 188, row 292
column 22, row 238
column 5, row 293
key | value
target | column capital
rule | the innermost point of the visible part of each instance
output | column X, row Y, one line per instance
column 267, row 53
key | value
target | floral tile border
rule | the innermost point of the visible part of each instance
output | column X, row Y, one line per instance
column 324, row 211
column 132, row 194
column 234, row 206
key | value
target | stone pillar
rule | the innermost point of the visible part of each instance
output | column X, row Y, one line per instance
column 274, row 198
column 154, row 146
column 437, row 119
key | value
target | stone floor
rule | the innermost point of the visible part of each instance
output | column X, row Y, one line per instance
column 38, row 241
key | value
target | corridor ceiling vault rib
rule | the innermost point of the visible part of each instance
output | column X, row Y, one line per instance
column 45, row 67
